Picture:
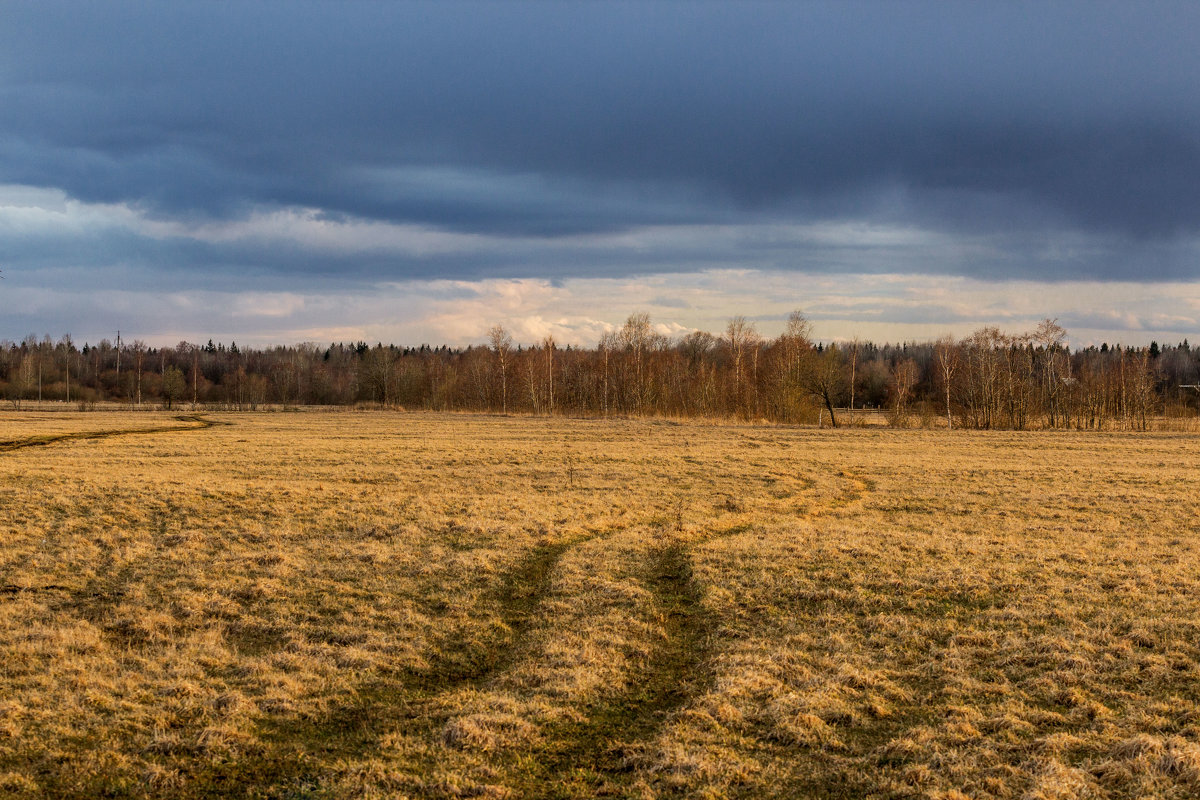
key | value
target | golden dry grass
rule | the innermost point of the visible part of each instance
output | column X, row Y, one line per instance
column 405, row 605
column 35, row 428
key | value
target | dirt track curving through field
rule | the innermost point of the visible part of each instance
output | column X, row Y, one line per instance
column 300, row 750
column 408, row 605
column 595, row 749
column 676, row 674
column 39, row 441
column 520, row 594
column 596, row 746
column 673, row 675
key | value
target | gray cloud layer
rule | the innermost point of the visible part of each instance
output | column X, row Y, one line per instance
column 1054, row 141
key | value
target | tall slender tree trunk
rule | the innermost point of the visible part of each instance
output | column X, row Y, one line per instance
column 606, row 382
column 853, row 373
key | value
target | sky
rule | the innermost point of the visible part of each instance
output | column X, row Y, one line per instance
column 279, row 172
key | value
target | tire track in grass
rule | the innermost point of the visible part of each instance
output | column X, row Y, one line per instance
column 867, row 737
column 518, row 597
column 593, row 757
column 586, row 758
column 40, row 441
column 577, row 759
column 97, row 601
column 296, row 754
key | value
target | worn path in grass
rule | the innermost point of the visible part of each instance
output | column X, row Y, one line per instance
column 200, row 423
column 578, row 758
column 592, row 757
column 587, row 758
column 297, row 753
column 294, row 757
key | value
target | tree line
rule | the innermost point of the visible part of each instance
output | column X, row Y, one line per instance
column 988, row 380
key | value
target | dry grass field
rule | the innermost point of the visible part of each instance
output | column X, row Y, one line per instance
column 341, row 604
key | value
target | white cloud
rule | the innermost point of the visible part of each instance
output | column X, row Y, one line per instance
column 31, row 210
column 579, row 311
column 91, row 301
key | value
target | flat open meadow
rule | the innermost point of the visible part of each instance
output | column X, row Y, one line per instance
column 387, row 604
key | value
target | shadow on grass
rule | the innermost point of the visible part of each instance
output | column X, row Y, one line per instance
column 292, row 756
column 591, row 757
column 40, row 441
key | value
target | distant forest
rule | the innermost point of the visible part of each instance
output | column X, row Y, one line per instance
column 991, row 379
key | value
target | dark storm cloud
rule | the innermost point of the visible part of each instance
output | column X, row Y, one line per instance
column 550, row 120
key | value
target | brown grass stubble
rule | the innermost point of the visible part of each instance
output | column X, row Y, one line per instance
column 94, row 600
column 1014, row 618
column 403, row 703
column 584, row 750
column 592, row 751
column 916, row 642
column 593, row 756
column 99, row 601
column 42, row 439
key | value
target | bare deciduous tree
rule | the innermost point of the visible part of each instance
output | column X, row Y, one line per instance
column 173, row 384
column 945, row 354
column 1049, row 339
column 548, row 346
column 638, row 339
column 825, row 379
column 739, row 337
column 501, row 343
column 854, row 344
column 903, row 379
